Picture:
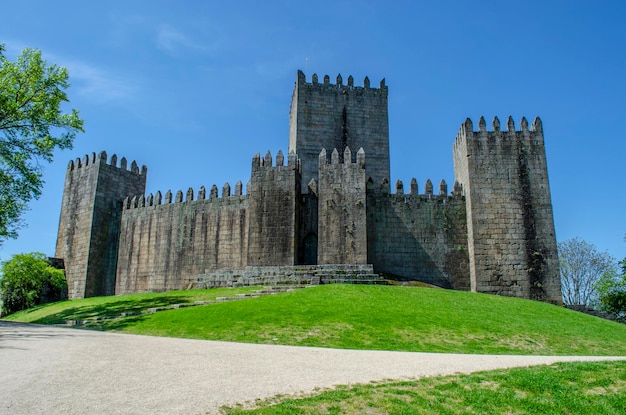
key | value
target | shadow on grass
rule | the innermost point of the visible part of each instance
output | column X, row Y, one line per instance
column 114, row 324
column 112, row 309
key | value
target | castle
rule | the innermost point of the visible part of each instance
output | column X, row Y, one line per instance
column 325, row 212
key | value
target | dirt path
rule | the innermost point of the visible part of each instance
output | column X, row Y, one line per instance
column 54, row 370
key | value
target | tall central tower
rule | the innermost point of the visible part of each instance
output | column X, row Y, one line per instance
column 327, row 116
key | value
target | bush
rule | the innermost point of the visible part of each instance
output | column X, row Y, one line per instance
column 614, row 302
column 612, row 290
column 29, row 280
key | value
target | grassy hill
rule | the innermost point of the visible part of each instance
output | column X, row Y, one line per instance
column 357, row 317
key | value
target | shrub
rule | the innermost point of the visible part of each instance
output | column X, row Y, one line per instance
column 612, row 290
column 614, row 302
column 29, row 280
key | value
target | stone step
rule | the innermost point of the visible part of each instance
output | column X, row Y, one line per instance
column 291, row 275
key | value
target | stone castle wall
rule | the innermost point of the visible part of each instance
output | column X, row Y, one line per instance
column 89, row 225
column 316, row 212
column 163, row 246
column 274, row 211
column 75, row 223
column 418, row 236
column 342, row 219
column 511, row 238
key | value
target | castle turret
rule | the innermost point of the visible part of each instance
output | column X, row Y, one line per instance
column 342, row 220
column 510, row 227
column 325, row 115
column 89, row 225
column 274, row 193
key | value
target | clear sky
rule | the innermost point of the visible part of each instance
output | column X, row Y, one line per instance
column 193, row 89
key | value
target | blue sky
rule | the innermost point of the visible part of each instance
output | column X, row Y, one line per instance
column 193, row 89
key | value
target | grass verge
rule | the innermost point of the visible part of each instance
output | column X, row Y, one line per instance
column 360, row 317
column 563, row 388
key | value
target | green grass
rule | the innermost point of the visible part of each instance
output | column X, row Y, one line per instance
column 564, row 388
column 106, row 307
column 362, row 317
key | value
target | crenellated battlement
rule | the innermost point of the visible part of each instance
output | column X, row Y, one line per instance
column 157, row 199
column 340, row 86
column 467, row 129
column 413, row 191
column 293, row 163
column 339, row 115
column 344, row 158
column 101, row 158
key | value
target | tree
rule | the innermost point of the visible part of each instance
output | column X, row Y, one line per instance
column 32, row 126
column 29, row 280
column 581, row 266
column 612, row 290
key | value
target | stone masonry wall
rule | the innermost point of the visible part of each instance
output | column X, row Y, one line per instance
column 494, row 234
column 511, row 238
column 418, row 236
column 164, row 246
column 330, row 116
column 89, row 221
column 342, row 220
column 274, row 211
column 75, row 223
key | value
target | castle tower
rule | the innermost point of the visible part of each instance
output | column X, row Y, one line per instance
column 325, row 115
column 342, row 220
column 510, row 227
column 90, row 220
column 274, row 193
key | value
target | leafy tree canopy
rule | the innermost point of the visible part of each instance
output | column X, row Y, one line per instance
column 32, row 126
column 29, row 280
column 612, row 291
column 611, row 288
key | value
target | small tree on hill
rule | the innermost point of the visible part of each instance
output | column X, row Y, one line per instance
column 612, row 291
column 29, row 280
column 582, row 266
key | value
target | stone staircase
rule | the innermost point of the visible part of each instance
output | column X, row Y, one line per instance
column 290, row 275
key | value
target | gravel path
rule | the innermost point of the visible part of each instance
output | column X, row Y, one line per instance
column 55, row 370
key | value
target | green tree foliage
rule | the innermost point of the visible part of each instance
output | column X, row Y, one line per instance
column 613, row 296
column 29, row 280
column 32, row 126
column 612, row 291
column 582, row 266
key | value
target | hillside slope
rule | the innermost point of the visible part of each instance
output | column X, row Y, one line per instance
column 369, row 317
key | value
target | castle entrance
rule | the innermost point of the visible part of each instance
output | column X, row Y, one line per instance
column 310, row 250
